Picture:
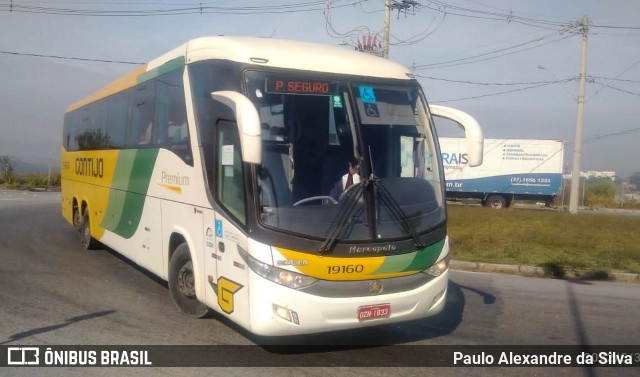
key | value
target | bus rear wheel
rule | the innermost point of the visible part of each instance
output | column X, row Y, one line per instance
column 77, row 219
column 182, row 284
column 86, row 240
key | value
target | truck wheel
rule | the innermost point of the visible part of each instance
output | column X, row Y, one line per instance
column 86, row 240
column 182, row 284
column 496, row 201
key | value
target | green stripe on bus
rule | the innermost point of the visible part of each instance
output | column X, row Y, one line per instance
column 426, row 257
column 131, row 180
column 395, row 263
column 166, row 67
column 119, row 188
column 416, row 261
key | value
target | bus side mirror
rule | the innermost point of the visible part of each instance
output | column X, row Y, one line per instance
column 248, row 122
column 472, row 130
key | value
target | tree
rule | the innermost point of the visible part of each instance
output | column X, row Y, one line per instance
column 7, row 168
column 604, row 187
column 601, row 193
column 635, row 179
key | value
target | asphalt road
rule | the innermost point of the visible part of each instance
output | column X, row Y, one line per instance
column 55, row 294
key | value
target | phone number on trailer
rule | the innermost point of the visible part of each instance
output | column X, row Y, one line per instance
column 530, row 180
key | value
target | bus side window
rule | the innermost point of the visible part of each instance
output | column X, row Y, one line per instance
column 92, row 132
column 171, row 115
column 229, row 190
column 141, row 103
column 118, row 108
column 72, row 127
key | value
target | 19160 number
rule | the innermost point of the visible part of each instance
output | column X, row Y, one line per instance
column 345, row 269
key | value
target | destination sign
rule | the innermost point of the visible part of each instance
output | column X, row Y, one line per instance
column 314, row 87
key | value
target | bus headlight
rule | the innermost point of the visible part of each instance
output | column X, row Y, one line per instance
column 277, row 275
column 440, row 267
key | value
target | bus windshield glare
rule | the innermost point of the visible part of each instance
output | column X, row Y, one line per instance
column 345, row 159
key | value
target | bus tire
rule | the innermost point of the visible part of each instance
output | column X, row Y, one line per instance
column 496, row 201
column 182, row 284
column 77, row 220
column 86, row 240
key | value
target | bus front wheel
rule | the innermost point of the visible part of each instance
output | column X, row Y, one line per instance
column 182, row 284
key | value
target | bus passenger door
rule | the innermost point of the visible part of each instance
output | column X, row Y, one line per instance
column 210, row 258
column 232, row 273
column 148, row 238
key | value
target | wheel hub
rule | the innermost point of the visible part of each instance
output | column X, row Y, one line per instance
column 186, row 280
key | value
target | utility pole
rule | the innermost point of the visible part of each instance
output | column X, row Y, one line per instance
column 577, row 148
column 387, row 27
column 49, row 175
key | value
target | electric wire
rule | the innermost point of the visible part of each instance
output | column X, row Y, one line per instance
column 496, row 83
column 193, row 8
column 611, row 80
column 492, row 94
column 68, row 58
column 606, row 136
column 476, row 58
column 603, row 85
column 509, row 17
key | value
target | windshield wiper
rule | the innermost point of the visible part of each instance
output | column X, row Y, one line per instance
column 396, row 212
column 385, row 198
column 342, row 217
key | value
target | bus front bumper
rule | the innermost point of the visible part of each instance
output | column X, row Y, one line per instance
column 277, row 310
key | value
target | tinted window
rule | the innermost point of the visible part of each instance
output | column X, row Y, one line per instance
column 118, row 112
column 229, row 182
column 141, row 103
column 207, row 77
column 172, row 131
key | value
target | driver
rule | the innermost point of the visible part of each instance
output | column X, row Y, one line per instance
column 351, row 178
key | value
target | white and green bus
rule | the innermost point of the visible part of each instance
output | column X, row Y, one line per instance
column 215, row 165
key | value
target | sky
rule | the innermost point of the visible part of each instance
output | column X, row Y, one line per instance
column 512, row 64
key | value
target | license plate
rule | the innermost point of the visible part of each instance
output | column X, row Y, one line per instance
column 374, row 311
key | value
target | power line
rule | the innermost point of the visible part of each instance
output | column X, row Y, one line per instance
column 474, row 59
column 490, row 15
column 614, row 88
column 428, row 31
column 611, row 80
column 492, row 94
column 67, row 58
column 495, row 83
column 616, row 27
column 513, row 17
column 193, row 8
column 606, row 136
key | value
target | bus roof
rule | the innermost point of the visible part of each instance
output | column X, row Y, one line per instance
column 260, row 51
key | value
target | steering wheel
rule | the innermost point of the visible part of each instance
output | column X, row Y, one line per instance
column 312, row 198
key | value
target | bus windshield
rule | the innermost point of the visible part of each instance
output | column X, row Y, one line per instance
column 357, row 154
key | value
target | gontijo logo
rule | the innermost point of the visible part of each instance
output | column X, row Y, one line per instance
column 90, row 167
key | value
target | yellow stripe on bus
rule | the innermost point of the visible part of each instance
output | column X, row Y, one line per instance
column 90, row 174
column 332, row 268
column 176, row 189
column 125, row 82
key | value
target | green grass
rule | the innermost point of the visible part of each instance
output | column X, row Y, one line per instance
column 545, row 238
column 30, row 181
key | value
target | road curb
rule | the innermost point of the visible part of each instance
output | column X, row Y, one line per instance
column 534, row 271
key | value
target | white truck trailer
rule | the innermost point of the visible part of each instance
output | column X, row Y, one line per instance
column 523, row 169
